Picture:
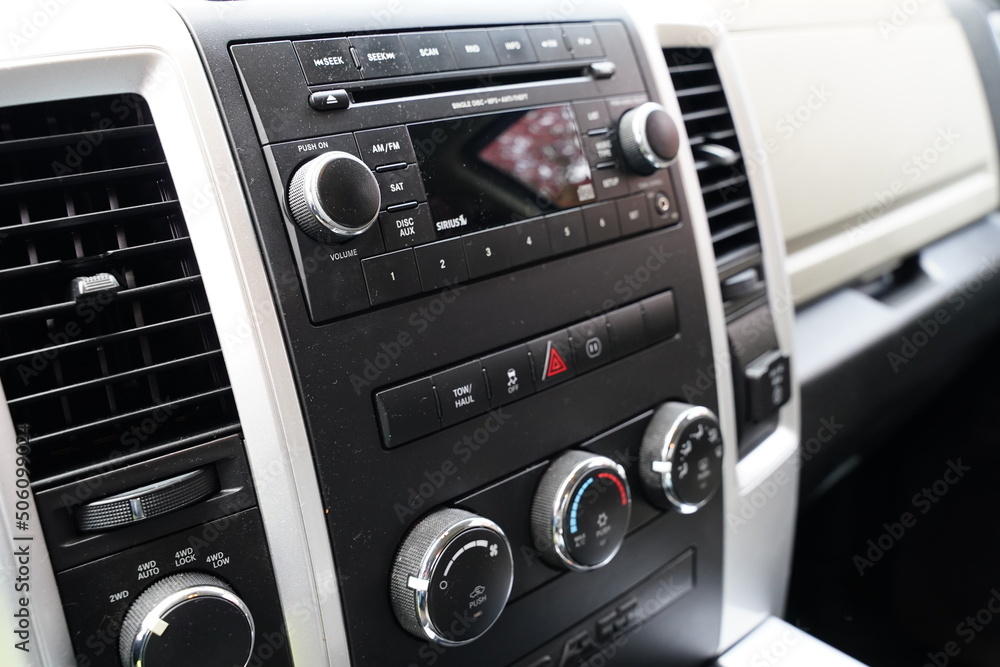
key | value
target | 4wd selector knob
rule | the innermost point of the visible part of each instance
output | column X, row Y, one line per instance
column 452, row 577
column 680, row 461
column 581, row 511
column 649, row 138
column 334, row 197
column 187, row 619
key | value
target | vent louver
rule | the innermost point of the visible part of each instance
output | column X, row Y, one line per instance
column 722, row 174
column 103, row 371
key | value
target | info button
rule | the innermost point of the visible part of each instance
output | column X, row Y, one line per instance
column 461, row 392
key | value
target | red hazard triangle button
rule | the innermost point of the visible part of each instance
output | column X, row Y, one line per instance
column 552, row 358
column 554, row 364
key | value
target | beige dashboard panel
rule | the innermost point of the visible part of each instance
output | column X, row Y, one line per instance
column 875, row 130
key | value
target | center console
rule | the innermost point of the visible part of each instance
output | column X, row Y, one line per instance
column 494, row 307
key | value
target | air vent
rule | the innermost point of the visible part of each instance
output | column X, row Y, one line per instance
column 723, row 177
column 108, row 352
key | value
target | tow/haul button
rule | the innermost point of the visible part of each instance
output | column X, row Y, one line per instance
column 452, row 566
column 461, row 392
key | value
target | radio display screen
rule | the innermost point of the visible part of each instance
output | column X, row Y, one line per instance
column 489, row 170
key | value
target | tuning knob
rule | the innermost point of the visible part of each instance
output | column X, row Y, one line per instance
column 581, row 511
column 334, row 197
column 649, row 138
column 187, row 619
column 680, row 462
column 452, row 577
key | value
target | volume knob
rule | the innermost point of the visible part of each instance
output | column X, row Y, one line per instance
column 187, row 619
column 649, row 138
column 334, row 197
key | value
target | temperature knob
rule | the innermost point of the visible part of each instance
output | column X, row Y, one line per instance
column 649, row 138
column 680, row 462
column 581, row 511
column 187, row 619
column 452, row 577
column 334, row 197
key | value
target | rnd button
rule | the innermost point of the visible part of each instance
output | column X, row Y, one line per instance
column 403, row 229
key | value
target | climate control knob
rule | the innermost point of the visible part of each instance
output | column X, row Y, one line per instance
column 452, row 577
column 581, row 511
column 187, row 619
column 648, row 137
column 680, row 462
column 334, row 197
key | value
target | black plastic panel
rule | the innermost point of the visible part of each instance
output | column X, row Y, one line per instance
column 232, row 549
column 373, row 494
column 69, row 547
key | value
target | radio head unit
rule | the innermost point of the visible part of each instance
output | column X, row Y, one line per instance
column 470, row 182
column 490, row 286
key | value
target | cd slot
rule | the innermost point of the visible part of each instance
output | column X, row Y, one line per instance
column 414, row 87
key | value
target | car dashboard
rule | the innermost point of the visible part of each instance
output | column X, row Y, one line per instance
column 427, row 334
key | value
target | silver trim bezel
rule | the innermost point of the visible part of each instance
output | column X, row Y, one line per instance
column 428, row 565
column 176, row 599
column 111, row 47
column 310, row 192
column 667, row 450
column 561, row 504
column 636, row 119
